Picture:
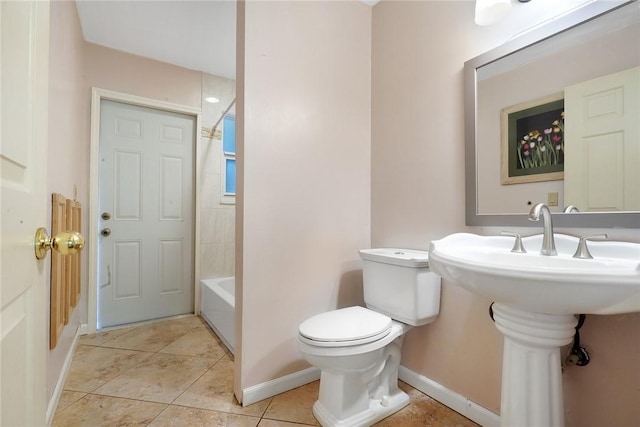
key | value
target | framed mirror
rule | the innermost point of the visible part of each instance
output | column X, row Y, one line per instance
column 515, row 98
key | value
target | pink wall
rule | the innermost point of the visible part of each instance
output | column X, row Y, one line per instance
column 304, row 99
column 419, row 49
column 122, row 72
column 68, row 148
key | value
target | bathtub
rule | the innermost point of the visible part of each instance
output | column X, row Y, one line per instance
column 217, row 307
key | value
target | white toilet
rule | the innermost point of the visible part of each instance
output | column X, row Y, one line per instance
column 358, row 349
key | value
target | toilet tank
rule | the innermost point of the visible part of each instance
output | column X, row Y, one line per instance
column 398, row 283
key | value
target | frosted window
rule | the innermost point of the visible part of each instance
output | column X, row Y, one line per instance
column 229, row 135
column 229, row 156
column 230, row 178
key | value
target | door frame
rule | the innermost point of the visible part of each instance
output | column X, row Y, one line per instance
column 97, row 95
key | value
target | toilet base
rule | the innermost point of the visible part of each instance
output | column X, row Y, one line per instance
column 376, row 412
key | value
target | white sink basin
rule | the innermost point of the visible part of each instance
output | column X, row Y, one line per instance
column 607, row 284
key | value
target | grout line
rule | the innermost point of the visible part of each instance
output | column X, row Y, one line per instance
column 159, row 413
column 146, row 322
column 225, row 354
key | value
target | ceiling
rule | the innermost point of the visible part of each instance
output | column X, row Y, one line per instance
column 198, row 35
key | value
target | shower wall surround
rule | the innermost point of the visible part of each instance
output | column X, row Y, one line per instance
column 217, row 230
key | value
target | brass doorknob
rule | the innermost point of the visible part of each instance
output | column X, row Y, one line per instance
column 66, row 243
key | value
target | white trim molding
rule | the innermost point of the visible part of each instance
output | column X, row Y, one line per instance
column 436, row 391
column 57, row 391
column 449, row 398
column 263, row 391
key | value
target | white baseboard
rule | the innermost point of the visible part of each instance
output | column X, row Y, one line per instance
column 84, row 329
column 263, row 391
column 449, row 398
column 57, row 392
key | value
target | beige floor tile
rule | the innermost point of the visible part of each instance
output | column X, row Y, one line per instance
column 172, row 370
column 159, row 378
column 93, row 368
column 423, row 411
column 81, row 348
column 186, row 321
column 180, row 416
column 68, row 397
column 214, row 391
column 295, row 405
column 275, row 423
column 152, row 337
column 199, row 342
column 101, row 337
column 94, row 411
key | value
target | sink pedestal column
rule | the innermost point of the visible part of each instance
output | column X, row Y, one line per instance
column 531, row 366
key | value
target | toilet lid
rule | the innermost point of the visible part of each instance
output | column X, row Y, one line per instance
column 347, row 326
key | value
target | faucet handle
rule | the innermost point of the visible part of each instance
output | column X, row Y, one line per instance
column 517, row 245
column 583, row 251
column 570, row 209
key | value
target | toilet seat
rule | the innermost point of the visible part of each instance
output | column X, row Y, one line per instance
column 345, row 327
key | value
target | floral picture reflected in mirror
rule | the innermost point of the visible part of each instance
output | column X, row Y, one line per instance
column 532, row 147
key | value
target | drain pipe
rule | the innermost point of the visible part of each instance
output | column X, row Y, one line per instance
column 578, row 355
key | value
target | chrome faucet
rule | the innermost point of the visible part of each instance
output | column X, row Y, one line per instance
column 548, row 243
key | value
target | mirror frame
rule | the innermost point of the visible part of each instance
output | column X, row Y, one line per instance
column 582, row 219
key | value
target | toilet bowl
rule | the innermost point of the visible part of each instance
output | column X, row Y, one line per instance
column 358, row 349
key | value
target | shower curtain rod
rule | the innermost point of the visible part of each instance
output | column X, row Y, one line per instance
column 213, row 129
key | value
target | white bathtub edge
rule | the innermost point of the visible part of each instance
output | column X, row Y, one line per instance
column 449, row 398
column 270, row 388
column 217, row 308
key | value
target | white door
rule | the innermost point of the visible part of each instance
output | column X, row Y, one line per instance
column 24, row 56
column 602, row 148
column 146, row 208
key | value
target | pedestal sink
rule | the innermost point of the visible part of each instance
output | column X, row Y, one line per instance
column 536, row 300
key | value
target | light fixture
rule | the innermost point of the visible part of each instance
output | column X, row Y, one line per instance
column 212, row 99
column 491, row 11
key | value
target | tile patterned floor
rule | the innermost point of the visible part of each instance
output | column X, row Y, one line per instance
column 177, row 373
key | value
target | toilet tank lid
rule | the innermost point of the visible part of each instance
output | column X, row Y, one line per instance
column 405, row 257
